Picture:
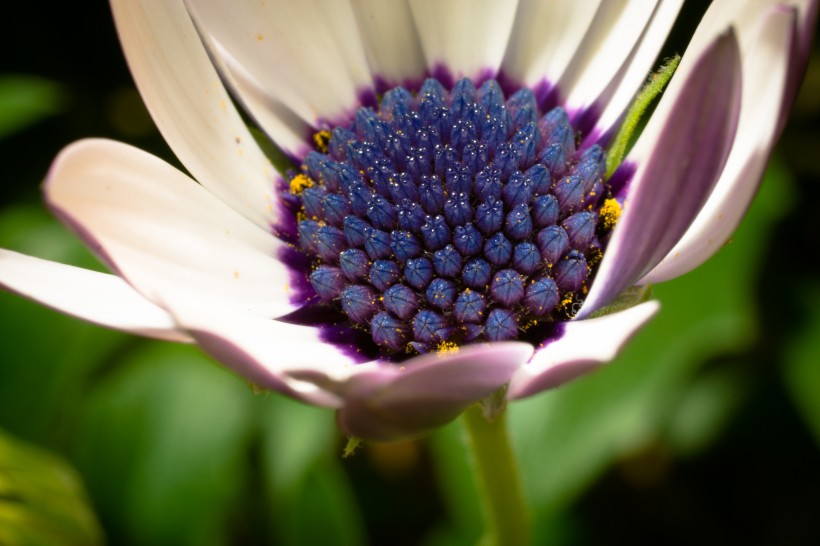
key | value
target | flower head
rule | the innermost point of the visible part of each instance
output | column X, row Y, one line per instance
column 448, row 225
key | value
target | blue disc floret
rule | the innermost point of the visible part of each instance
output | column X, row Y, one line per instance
column 442, row 217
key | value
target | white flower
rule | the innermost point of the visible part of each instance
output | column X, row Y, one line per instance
column 196, row 259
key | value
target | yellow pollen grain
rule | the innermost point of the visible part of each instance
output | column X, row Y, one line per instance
column 236, row 274
column 446, row 348
column 566, row 302
column 321, row 139
column 594, row 257
column 298, row 184
column 609, row 214
column 260, row 37
column 529, row 325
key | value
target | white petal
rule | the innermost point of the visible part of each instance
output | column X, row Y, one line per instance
column 640, row 63
column 582, row 347
column 378, row 400
column 425, row 392
column 190, row 106
column 100, row 298
column 163, row 232
column 745, row 17
column 765, row 71
column 607, row 44
column 391, row 43
column 279, row 123
column 307, row 55
column 268, row 351
column 467, row 37
column 545, row 37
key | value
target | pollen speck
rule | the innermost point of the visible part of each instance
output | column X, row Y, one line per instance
column 595, row 256
column 565, row 306
column 260, row 37
column 446, row 348
column 236, row 274
column 321, row 139
column 299, row 183
column 529, row 325
column 610, row 213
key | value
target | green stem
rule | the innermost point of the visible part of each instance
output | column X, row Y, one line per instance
column 499, row 484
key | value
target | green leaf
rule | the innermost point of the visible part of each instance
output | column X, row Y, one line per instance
column 42, row 499
column 304, row 477
column 25, row 100
column 163, row 443
column 322, row 510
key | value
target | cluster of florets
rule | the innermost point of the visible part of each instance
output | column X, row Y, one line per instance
column 450, row 217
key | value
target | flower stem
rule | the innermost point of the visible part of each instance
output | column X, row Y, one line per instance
column 499, row 484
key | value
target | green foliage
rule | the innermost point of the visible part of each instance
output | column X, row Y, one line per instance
column 42, row 499
column 162, row 440
column 25, row 100
column 303, row 476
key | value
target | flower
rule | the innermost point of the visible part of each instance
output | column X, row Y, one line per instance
column 239, row 258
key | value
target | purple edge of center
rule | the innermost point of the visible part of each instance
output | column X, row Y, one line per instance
column 355, row 344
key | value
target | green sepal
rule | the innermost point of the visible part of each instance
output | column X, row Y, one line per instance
column 350, row 448
column 630, row 297
column 494, row 405
column 281, row 162
column 632, row 122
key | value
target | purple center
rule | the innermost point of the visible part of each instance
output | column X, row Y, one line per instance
column 448, row 217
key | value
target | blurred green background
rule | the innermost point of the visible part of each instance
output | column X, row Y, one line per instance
column 705, row 431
